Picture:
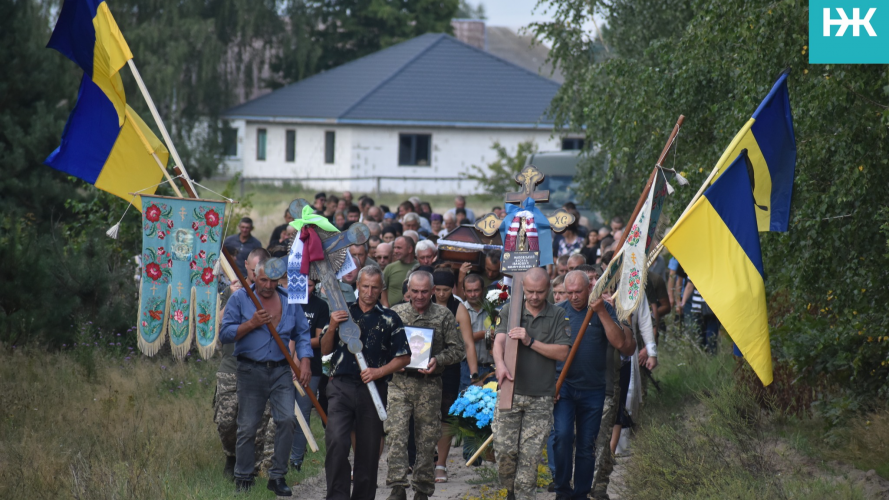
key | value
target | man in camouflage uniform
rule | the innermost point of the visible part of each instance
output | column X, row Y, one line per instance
column 225, row 404
column 521, row 431
column 418, row 392
column 604, row 456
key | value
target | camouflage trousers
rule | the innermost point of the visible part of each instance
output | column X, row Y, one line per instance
column 519, row 436
column 225, row 414
column 420, row 397
column 604, row 457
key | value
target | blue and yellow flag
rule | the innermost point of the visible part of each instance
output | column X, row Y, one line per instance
column 717, row 243
column 771, row 146
column 105, row 142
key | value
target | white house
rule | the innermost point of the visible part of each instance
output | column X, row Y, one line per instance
column 411, row 118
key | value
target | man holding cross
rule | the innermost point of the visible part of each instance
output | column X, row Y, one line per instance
column 263, row 372
column 520, row 432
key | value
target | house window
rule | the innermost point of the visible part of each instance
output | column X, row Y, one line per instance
column 413, row 149
column 329, row 146
column 230, row 141
column 290, row 148
column 261, row 139
column 572, row 143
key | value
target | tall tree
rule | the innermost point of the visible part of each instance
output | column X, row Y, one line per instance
column 716, row 66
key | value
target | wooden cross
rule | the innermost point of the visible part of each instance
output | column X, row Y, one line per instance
column 489, row 224
column 348, row 331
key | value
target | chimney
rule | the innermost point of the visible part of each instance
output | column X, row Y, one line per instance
column 470, row 31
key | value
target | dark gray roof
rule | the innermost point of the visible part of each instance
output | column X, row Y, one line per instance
column 433, row 79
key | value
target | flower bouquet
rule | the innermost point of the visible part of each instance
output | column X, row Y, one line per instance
column 473, row 412
column 492, row 304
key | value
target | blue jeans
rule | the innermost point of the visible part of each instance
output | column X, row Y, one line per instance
column 580, row 410
column 465, row 382
column 256, row 385
column 298, row 450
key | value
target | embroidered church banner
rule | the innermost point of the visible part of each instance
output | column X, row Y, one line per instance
column 181, row 242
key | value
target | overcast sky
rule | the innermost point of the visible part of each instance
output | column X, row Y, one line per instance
column 516, row 14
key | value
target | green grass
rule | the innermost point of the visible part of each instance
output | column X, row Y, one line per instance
column 114, row 428
column 707, row 436
column 270, row 201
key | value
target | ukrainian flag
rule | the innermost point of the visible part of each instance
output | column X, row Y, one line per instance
column 104, row 142
column 717, row 243
column 771, row 146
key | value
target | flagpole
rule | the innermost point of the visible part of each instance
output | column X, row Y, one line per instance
column 160, row 125
column 642, row 197
column 719, row 164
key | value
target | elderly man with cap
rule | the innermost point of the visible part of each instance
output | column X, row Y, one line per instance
column 417, row 393
column 263, row 372
column 520, row 432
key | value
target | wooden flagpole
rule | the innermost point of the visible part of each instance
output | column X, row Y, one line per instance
column 639, row 204
column 160, row 125
column 722, row 160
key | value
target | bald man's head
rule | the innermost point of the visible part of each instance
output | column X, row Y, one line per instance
column 536, row 284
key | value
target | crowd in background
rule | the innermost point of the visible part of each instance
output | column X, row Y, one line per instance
column 403, row 241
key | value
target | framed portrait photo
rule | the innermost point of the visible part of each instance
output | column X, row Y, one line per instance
column 420, row 341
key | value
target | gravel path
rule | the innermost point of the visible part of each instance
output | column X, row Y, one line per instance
column 462, row 482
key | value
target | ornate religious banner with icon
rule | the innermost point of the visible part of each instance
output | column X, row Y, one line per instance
column 181, row 241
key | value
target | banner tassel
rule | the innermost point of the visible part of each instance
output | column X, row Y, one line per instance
column 112, row 233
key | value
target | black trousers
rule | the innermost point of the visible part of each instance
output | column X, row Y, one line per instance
column 351, row 408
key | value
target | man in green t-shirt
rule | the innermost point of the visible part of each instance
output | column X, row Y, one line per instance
column 520, row 432
column 403, row 261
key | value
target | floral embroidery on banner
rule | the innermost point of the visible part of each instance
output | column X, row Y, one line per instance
column 201, row 266
column 153, row 318
column 206, row 224
column 158, row 220
column 178, row 320
column 157, row 265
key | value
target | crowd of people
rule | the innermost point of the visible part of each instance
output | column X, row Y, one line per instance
column 400, row 284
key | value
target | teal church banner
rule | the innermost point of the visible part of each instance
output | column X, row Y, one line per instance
column 181, row 242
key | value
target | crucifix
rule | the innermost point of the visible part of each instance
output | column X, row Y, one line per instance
column 521, row 252
column 179, row 288
column 153, row 288
column 182, row 212
column 349, row 333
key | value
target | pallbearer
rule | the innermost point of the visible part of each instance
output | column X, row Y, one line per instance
column 263, row 372
column 350, row 406
column 543, row 337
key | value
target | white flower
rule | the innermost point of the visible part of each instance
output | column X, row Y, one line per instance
column 493, row 296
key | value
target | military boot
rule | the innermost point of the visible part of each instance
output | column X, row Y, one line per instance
column 397, row 493
column 229, row 470
column 420, row 496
